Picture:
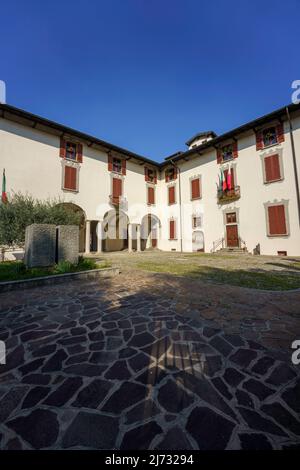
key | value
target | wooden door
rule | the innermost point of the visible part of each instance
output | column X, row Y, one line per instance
column 232, row 235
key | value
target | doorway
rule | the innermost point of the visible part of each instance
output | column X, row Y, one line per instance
column 232, row 234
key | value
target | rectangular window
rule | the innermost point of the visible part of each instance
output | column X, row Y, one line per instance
column 171, row 195
column 231, row 218
column 277, row 223
column 117, row 190
column 172, row 230
column 151, row 195
column 269, row 136
column 196, row 221
column 117, row 165
column 150, row 175
column 195, row 189
column 170, row 174
column 70, row 178
column 272, row 168
column 227, row 152
column 71, row 151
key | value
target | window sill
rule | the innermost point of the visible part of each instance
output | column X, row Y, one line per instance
column 71, row 190
column 73, row 160
column 278, row 235
column 226, row 161
column 150, row 204
column 173, row 239
column 273, row 181
column 268, row 146
column 196, row 198
column 171, row 203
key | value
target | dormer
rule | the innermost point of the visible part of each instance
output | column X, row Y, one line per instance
column 200, row 138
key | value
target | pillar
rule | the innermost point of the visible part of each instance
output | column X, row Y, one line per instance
column 138, row 238
column 99, row 236
column 87, row 236
column 129, row 238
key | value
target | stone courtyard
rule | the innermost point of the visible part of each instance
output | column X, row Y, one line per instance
column 149, row 361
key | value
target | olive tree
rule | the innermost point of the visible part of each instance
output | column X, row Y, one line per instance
column 23, row 210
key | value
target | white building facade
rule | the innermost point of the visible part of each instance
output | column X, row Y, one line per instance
column 235, row 191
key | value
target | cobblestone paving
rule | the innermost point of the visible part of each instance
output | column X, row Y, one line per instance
column 115, row 365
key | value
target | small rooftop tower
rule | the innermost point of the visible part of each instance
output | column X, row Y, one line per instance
column 2, row 92
column 200, row 139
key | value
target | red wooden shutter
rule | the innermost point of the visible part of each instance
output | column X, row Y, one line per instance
column 172, row 229
column 166, row 176
column 151, row 195
column 259, row 141
column 79, row 153
column 175, row 172
column 117, row 187
column 232, row 178
column 280, row 133
column 272, row 168
column 146, row 174
column 110, row 162
column 171, row 191
column 196, row 188
column 219, row 156
column 277, row 225
column 235, row 150
column 62, row 150
column 124, row 167
column 70, row 178
column 155, row 177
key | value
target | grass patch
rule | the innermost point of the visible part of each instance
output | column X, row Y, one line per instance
column 16, row 270
column 268, row 280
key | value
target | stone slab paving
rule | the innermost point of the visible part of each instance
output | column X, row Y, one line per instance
column 126, row 364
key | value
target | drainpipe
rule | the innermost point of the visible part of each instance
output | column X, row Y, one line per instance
column 180, row 212
column 294, row 162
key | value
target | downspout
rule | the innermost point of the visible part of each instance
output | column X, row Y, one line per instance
column 180, row 212
column 294, row 162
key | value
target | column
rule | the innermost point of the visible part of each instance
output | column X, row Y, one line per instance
column 87, row 236
column 138, row 237
column 99, row 236
column 129, row 238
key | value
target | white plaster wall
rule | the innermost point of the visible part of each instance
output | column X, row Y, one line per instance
column 254, row 193
column 32, row 163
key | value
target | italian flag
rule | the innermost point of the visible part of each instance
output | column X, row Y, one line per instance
column 4, row 195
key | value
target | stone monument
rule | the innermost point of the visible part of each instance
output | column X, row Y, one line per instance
column 40, row 245
column 68, row 243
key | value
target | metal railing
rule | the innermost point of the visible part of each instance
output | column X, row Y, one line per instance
column 221, row 243
column 218, row 243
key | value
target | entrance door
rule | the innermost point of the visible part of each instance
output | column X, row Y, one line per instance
column 232, row 235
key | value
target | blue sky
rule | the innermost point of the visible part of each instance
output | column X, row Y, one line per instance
column 148, row 74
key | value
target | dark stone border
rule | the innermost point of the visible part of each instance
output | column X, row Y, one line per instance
column 58, row 278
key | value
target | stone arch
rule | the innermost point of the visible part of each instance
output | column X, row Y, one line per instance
column 77, row 209
column 198, row 240
column 115, row 227
column 150, row 229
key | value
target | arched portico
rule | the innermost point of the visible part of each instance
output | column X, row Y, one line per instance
column 82, row 225
column 115, row 230
column 150, row 231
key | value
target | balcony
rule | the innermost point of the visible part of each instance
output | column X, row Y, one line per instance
column 229, row 195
